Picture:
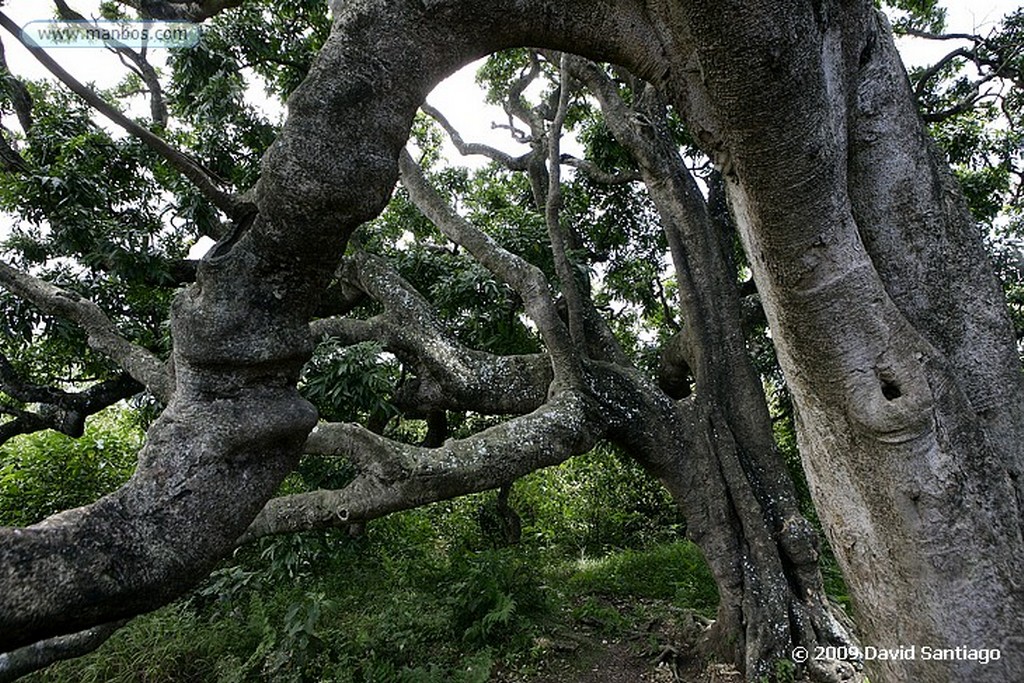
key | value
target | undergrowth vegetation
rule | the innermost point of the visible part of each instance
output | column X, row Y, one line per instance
column 433, row 594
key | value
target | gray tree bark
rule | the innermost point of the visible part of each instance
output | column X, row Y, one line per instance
column 235, row 425
column 888, row 323
column 906, row 385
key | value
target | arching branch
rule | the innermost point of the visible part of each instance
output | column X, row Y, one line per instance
column 471, row 148
column 395, row 476
column 599, row 175
column 235, row 425
column 60, row 411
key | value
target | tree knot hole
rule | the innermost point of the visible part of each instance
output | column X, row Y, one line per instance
column 890, row 389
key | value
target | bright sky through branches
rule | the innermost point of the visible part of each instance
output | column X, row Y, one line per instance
column 458, row 97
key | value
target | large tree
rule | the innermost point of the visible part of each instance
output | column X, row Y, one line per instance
column 888, row 322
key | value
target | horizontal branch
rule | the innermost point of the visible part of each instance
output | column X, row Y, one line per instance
column 102, row 335
column 964, row 105
column 25, row 660
column 395, row 476
column 599, row 175
column 349, row 331
column 24, row 422
column 928, row 35
column 62, row 411
column 1002, row 61
column 452, row 376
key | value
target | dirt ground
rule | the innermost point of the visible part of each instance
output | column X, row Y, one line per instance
column 619, row 662
column 656, row 645
column 632, row 640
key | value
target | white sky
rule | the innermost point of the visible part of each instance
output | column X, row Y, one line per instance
column 86, row 64
column 453, row 95
column 457, row 97
column 962, row 16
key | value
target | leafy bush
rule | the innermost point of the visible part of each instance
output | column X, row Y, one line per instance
column 674, row 571
column 496, row 594
column 422, row 596
column 347, row 383
column 46, row 472
column 594, row 502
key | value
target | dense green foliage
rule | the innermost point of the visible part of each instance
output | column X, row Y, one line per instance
column 426, row 595
column 43, row 474
column 432, row 594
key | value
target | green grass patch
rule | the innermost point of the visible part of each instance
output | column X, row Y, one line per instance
column 671, row 571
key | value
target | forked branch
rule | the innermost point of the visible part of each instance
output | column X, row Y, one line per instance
column 395, row 476
column 468, row 379
column 528, row 280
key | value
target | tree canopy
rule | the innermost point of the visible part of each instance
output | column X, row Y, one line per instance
column 730, row 228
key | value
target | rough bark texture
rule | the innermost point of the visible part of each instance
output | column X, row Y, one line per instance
column 915, row 483
column 25, row 660
column 742, row 508
column 235, row 424
column 904, row 376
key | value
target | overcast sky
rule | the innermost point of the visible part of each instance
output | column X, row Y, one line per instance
column 458, row 96
column 452, row 96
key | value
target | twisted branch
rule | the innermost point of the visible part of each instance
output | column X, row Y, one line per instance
column 452, row 376
column 395, row 476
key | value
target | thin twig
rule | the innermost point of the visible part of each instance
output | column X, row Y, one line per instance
column 473, row 148
column 230, row 204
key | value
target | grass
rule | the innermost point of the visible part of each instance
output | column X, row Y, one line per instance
column 425, row 595
column 328, row 607
column 670, row 571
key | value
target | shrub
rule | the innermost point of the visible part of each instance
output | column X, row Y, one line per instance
column 594, row 502
column 47, row 472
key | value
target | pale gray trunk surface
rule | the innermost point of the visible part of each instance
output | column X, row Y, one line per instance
column 888, row 323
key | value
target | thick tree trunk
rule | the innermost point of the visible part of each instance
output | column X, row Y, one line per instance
column 730, row 480
column 770, row 589
column 909, row 419
column 915, row 482
column 235, row 424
